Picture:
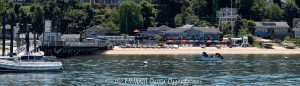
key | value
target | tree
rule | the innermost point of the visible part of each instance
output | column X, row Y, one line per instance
column 37, row 12
column 273, row 12
column 277, row 2
column 75, row 21
column 226, row 28
column 291, row 10
column 200, row 8
column 167, row 10
column 187, row 16
column 87, row 7
column 258, row 9
column 2, row 8
column 130, row 17
column 149, row 13
column 245, row 8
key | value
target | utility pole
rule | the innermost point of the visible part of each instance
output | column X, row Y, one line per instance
column 3, row 32
column 231, row 20
column 12, row 24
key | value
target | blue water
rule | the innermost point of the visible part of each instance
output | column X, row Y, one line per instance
column 165, row 70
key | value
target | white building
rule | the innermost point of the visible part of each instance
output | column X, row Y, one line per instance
column 296, row 27
column 8, row 31
column 227, row 14
column 275, row 30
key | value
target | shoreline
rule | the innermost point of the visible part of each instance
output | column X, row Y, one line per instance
column 198, row 50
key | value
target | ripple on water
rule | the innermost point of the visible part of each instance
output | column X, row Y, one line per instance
column 104, row 70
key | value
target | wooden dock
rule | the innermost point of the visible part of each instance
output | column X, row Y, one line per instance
column 65, row 48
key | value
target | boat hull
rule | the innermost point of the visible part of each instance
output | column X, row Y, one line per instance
column 30, row 66
column 210, row 58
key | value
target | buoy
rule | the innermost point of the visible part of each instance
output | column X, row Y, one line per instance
column 183, row 59
column 285, row 58
column 145, row 62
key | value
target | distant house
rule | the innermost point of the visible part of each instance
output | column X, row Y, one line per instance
column 193, row 33
column 93, row 32
column 151, row 32
column 227, row 14
column 296, row 27
column 187, row 32
column 8, row 31
column 70, row 37
column 273, row 30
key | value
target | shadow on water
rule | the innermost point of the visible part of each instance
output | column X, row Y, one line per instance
column 105, row 69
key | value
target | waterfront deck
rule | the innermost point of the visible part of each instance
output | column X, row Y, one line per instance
column 71, row 48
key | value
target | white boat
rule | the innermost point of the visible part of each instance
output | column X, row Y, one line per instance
column 32, row 62
column 210, row 58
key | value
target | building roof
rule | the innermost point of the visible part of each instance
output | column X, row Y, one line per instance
column 203, row 29
column 92, row 28
column 161, row 28
column 70, row 36
column 271, row 25
column 296, row 22
column 209, row 29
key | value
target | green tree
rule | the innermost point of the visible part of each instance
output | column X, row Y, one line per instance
column 148, row 12
column 37, row 16
column 187, row 16
column 2, row 8
column 291, row 9
column 130, row 17
column 75, row 21
column 167, row 10
column 87, row 7
column 258, row 9
column 200, row 8
column 226, row 28
column 273, row 12
column 245, row 8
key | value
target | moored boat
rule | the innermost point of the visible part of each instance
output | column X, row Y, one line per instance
column 205, row 57
column 32, row 63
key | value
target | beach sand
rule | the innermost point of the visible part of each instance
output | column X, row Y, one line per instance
column 198, row 50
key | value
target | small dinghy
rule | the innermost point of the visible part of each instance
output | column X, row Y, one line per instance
column 205, row 57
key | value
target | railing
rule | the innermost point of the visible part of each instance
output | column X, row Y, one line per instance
column 74, row 44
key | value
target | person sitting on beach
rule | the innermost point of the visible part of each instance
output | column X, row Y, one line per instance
column 204, row 54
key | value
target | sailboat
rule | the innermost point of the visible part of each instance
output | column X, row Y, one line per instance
column 25, row 60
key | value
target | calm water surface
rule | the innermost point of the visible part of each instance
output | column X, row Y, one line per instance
column 165, row 70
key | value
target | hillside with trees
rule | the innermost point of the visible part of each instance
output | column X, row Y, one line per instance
column 73, row 16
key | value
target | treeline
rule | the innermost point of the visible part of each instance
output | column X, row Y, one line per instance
column 73, row 16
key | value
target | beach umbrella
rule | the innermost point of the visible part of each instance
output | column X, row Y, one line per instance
column 209, row 41
column 223, row 42
column 136, row 31
column 183, row 41
column 170, row 41
column 216, row 41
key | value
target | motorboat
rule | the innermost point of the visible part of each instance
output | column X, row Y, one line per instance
column 210, row 58
column 31, row 62
column 206, row 57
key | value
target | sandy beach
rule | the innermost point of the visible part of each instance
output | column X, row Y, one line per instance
column 197, row 50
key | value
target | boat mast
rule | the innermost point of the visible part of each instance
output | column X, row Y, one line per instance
column 12, row 16
column 27, row 38
column 3, row 32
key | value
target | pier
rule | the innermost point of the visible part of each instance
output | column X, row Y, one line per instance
column 67, row 48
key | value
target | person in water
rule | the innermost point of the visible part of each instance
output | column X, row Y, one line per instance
column 219, row 55
column 204, row 54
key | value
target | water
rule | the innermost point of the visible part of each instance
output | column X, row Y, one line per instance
column 165, row 70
